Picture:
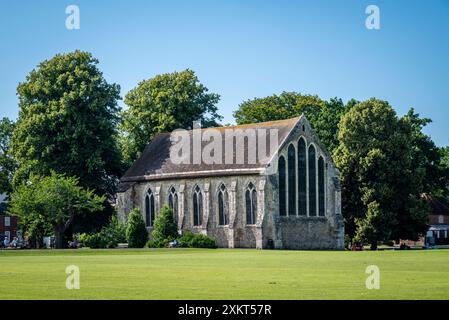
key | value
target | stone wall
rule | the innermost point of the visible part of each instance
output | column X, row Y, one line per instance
column 236, row 234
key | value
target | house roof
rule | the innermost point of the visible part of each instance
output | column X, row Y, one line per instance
column 438, row 206
column 155, row 162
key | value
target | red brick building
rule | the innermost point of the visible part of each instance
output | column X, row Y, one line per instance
column 8, row 226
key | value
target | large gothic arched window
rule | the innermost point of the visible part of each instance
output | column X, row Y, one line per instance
column 251, row 204
column 149, row 208
column 173, row 202
column 197, row 206
column 302, row 177
column 282, row 188
column 312, row 181
column 291, row 163
column 223, row 206
column 321, row 200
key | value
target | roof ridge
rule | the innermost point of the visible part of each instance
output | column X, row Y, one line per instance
column 253, row 124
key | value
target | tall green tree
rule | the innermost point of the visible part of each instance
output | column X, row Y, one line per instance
column 164, row 103
column 381, row 186
column 55, row 201
column 323, row 115
column 7, row 163
column 67, row 122
column 427, row 156
column 444, row 162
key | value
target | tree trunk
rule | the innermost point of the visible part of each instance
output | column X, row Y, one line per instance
column 374, row 245
column 59, row 238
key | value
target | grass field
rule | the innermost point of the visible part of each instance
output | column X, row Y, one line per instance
column 223, row 274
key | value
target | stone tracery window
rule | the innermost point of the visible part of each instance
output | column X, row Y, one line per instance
column 223, row 205
column 291, row 163
column 251, row 204
column 302, row 177
column 282, row 188
column 197, row 206
column 173, row 202
column 312, row 182
column 149, row 208
column 321, row 184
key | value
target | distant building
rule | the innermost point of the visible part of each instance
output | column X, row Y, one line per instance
column 8, row 224
column 438, row 233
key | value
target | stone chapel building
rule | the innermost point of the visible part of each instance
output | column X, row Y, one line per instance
column 292, row 201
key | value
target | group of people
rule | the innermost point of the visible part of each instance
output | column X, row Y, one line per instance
column 10, row 244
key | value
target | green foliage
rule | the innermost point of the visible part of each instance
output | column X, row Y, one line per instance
column 136, row 232
column 381, row 185
column 159, row 243
column 109, row 237
column 164, row 103
column 165, row 227
column 7, row 163
column 67, row 122
column 54, row 201
column 196, row 240
column 427, row 156
column 323, row 115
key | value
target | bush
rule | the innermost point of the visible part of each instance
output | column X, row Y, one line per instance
column 136, row 231
column 196, row 240
column 159, row 243
column 165, row 228
column 109, row 237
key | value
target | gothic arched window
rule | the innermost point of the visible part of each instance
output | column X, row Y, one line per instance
column 197, row 207
column 282, row 189
column 321, row 184
column 173, row 202
column 149, row 208
column 251, row 204
column 291, row 163
column 312, row 181
column 302, row 177
column 223, row 206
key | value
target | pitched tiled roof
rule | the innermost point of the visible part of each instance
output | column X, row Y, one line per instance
column 155, row 162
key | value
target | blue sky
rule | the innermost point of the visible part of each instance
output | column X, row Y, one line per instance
column 245, row 49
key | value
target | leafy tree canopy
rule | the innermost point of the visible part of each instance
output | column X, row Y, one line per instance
column 7, row 163
column 54, row 200
column 427, row 156
column 164, row 103
column 381, row 184
column 323, row 115
column 67, row 122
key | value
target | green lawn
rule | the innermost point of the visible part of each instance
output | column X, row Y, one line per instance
column 223, row 274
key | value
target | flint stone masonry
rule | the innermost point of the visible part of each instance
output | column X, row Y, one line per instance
column 270, row 230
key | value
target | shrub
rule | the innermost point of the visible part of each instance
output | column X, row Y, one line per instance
column 159, row 243
column 136, row 232
column 165, row 228
column 109, row 237
column 196, row 240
